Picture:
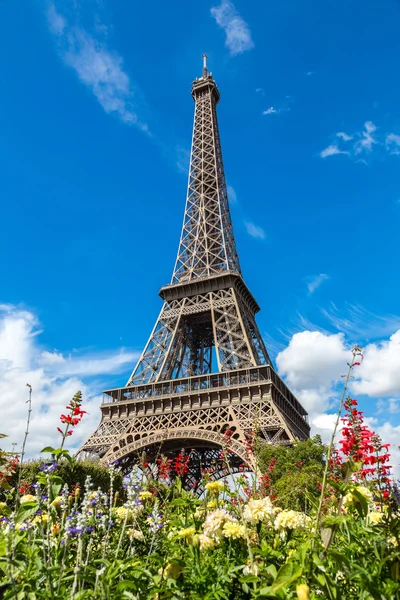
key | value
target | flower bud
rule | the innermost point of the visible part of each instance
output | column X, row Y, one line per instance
column 303, row 591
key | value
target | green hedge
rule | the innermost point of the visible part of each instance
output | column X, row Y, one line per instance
column 76, row 476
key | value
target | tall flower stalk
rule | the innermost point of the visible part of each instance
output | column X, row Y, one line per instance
column 28, row 420
column 356, row 360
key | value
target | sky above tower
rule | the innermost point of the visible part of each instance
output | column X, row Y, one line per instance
column 95, row 137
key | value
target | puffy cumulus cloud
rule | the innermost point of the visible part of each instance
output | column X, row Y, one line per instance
column 313, row 360
column 379, row 373
column 390, row 434
column 55, row 378
column 313, row 364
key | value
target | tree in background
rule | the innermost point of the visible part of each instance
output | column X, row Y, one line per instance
column 293, row 474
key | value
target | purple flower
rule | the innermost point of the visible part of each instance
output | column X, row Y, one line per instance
column 49, row 468
column 90, row 529
column 75, row 530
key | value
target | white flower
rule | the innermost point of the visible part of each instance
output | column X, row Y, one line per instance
column 215, row 521
column 206, row 543
column 250, row 569
column 258, row 510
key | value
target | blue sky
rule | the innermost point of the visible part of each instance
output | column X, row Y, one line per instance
column 94, row 137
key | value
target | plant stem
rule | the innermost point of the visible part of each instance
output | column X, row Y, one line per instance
column 355, row 352
column 29, row 402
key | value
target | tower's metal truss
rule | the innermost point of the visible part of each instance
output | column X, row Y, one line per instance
column 208, row 317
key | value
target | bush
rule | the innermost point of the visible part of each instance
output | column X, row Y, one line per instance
column 73, row 477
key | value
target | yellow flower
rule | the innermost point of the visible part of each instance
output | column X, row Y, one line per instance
column 206, row 543
column 303, row 591
column 187, row 532
column 144, row 495
column 350, row 498
column 123, row 513
column 233, row 530
column 212, row 504
column 136, row 534
column 171, row 571
column 27, row 498
column 43, row 518
column 215, row 487
column 291, row 519
column 57, row 501
column 375, row 517
column 94, row 495
column 3, row 506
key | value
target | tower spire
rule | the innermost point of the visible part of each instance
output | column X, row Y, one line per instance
column 205, row 71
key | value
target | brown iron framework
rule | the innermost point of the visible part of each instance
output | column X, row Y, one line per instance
column 173, row 400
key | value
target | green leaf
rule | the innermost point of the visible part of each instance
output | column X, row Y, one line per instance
column 48, row 449
column 55, row 490
column 249, row 579
column 286, row 575
column 26, row 510
column 271, row 569
column 362, row 504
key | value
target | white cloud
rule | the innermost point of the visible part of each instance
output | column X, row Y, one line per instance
column 393, row 143
column 359, row 323
column 315, row 281
column 367, row 139
column 270, row 111
column 344, row 136
column 379, row 374
column 362, row 142
column 237, row 32
column 390, row 434
column 313, row 361
column 331, row 151
column 389, row 405
column 98, row 68
column 232, row 195
column 55, row 378
column 313, row 365
column 254, row 230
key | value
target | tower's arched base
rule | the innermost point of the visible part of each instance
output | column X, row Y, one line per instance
column 196, row 414
column 188, row 459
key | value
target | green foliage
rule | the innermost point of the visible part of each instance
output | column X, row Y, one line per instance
column 153, row 547
column 295, row 472
column 71, row 475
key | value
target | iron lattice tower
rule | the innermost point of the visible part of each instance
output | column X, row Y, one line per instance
column 205, row 368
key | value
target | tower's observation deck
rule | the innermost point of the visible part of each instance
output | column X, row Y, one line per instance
column 205, row 367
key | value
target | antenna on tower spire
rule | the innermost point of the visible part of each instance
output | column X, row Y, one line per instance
column 205, row 71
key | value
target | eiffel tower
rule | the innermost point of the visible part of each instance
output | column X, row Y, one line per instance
column 205, row 370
